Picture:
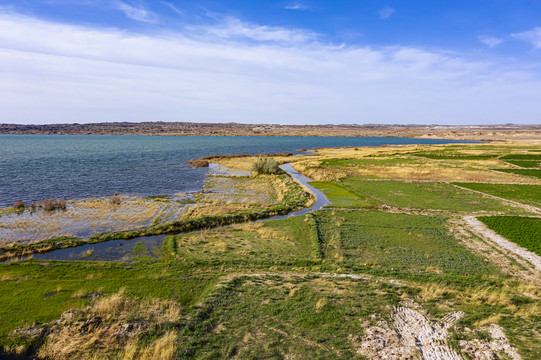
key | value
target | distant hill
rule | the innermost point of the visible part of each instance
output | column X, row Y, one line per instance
column 479, row 132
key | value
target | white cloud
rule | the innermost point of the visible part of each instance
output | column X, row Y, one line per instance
column 52, row 73
column 231, row 28
column 136, row 13
column 173, row 7
column 490, row 41
column 532, row 36
column 386, row 12
column 297, row 6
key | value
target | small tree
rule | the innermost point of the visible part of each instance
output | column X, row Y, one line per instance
column 265, row 166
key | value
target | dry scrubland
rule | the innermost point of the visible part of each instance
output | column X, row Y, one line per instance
column 398, row 267
column 481, row 132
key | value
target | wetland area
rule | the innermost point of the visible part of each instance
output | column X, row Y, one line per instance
column 368, row 248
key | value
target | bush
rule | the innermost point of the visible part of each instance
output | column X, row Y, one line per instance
column 51, row 204
column 48, row 204
column 115, row 199
column 265, row 166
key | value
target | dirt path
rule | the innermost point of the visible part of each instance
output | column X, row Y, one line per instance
column 481, row 230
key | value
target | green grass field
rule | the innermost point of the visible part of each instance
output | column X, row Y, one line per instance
column 525, row 163
column 340, row 196
column 41, row 291
column 522, row 157
column 525, row 172
column 288, row 241
column 526, row 194
column 418, row 195
column 396, row 242
column 524, row 231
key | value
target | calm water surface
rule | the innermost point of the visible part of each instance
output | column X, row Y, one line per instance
column 37, row 167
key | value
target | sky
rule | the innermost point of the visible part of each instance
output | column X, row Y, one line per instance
column 270, row 61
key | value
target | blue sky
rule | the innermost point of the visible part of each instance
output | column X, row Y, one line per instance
column 294, row 62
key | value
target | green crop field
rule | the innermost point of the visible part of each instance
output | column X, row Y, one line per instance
column 522, row 157
column 525, row 163
column 418, row 195
column 524, row 231
column 525, row 172
column 526, row 194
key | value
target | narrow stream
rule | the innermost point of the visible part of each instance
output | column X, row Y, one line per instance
column 127, row 250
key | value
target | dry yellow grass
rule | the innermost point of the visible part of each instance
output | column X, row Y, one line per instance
column 114, row 324
column 163, row 348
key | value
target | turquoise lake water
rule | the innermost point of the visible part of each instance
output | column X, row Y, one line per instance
column 38, row 167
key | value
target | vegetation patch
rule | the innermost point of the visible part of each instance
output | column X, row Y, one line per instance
column 522, row 157
column 286, row 241
column 396, row 242
column 526, row 194
column 115, row 326
column 340, row 196
column 524, row 231
column 525, row 172
column 525, row 163
column 424, row 195
column 452, row 156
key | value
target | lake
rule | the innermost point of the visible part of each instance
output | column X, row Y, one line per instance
column 38, row 167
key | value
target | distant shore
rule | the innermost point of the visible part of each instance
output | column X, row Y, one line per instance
column 458, row 132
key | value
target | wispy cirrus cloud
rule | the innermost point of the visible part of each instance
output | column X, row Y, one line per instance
column 386, row 12
column 172, row 7
column 532, row 36
column 84, row 74
column 137, row 13
column 297, row 5
column 490, row 41
column 231, row 28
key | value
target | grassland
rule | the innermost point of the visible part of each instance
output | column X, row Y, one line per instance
column 313, row 286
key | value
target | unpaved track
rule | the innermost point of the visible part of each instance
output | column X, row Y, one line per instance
column 481, row 230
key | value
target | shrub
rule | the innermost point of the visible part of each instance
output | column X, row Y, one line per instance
column 265, row 166
column 115, row 199
column 61, row 204
column 19, row 204
column 48, row 204
column 51, row 204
